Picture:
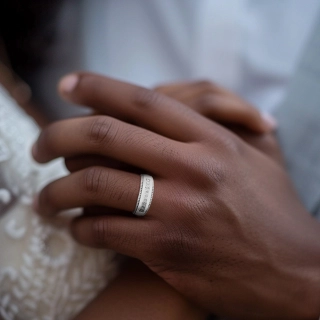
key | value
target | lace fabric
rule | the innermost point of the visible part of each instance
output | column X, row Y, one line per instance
column 44, row 274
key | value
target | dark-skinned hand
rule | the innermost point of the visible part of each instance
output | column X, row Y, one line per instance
column 225, row 227
column 223, row 106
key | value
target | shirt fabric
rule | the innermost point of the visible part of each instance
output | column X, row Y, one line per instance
column 249, row 46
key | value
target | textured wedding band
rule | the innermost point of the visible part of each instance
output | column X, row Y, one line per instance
column 145, row 195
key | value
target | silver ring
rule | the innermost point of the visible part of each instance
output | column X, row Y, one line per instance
column 145, row 195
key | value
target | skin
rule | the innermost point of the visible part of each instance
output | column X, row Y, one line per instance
column 220, row 105
column 143, row 293
column 137, row 293
column 225, row 228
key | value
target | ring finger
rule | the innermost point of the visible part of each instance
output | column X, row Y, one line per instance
column 95, row 186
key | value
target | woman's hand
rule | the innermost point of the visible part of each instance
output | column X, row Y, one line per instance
column 223, row 106
column 219, row 104
column 225, row 227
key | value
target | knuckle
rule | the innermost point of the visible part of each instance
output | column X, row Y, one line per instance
column 203, row 170
column 170, row 152
column 106, row 234
column 95, row 181
column 232, row 145
column 100, row 231
column 147, row 99
column 199, row 168
column 218, row 174
column 178, row 242
column 100, row 130
column 209, row 175
column 172, row 241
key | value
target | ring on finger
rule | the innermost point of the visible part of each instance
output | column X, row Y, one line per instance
column 145, row 195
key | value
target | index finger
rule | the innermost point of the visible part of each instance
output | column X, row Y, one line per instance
column 137, row 105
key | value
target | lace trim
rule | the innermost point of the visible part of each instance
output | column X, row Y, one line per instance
column 44, row 274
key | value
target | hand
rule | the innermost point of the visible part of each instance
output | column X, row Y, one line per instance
column 219, row 104
column 225, row 107
column 225, row 227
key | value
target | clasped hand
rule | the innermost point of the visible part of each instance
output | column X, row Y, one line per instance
column 225, row 227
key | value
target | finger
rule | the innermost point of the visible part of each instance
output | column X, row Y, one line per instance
column 81, row 162
column 137, row 105
column 172, row 88
column 232, row 110
column 105, row 211
column 127, row 236
column 188, row 92
column 105, row 136
column 96, row 186
column 267, row 143
column 78, row 163
column 178, row 87
column 219, row 104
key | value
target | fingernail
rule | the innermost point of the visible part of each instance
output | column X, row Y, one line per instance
column 35, row 203
column 270, row 121
column 68, row 83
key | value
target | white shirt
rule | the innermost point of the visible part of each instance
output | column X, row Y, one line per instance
column 249, row 46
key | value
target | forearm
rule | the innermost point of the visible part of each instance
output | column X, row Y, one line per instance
column 137, row 293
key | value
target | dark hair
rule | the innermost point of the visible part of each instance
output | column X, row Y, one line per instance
column 27, row 30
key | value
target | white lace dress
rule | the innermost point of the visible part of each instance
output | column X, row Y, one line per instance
column 44, row 274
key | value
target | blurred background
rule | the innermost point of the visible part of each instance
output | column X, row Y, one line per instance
column 249, row 46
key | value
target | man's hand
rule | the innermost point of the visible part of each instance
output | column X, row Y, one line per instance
column 225, row 227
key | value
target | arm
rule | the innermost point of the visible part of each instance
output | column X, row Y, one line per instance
column 137, row 293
